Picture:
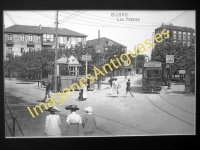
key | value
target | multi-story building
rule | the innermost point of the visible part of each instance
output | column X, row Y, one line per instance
column 184, row 35
column 23, row 38
column 105, row 42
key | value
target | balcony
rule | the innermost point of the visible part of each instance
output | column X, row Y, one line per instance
column 30, row 43
column 9, row 42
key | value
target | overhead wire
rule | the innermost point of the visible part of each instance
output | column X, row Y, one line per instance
column 176, row 17
column 43, row 15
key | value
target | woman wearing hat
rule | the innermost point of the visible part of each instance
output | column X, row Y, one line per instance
column 89, row 122
column 115, row 87
column 52, row 124
column 73, row 121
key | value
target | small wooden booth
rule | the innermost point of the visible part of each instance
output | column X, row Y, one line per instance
column 68, row 73
column 190, row 79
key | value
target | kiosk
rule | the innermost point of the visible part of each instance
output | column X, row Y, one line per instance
column 68, row 73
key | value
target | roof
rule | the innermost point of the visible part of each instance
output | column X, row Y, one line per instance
column 152, row 64
column 72, row 61
column 43, row 30
column 103, row 41
column 143, row 55
column 62, row 60
column 176, row 28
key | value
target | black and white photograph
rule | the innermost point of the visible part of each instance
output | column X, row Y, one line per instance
column 99, row 73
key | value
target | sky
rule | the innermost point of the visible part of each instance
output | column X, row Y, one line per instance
column 131, row 29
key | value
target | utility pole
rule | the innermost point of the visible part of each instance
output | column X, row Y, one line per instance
column 55, row 84
column 99, row 86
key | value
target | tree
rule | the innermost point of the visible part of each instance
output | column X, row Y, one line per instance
column 183, row 54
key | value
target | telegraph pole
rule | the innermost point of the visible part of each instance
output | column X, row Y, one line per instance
column 55, row 84
column 99, row 86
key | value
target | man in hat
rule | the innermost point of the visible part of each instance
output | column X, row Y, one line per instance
column 128, row 88
column 52, row 124
column 73, row 120
column 89, row 122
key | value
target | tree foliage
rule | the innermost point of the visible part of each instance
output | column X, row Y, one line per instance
column 44, row 59
column 183, row 54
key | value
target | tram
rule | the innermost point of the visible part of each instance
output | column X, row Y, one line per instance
column 152, row 77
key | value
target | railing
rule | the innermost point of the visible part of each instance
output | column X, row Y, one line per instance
column 14, row 117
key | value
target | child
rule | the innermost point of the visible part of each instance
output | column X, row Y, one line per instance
column 89, row 122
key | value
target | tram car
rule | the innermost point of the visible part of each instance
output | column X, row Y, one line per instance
column 152, row 77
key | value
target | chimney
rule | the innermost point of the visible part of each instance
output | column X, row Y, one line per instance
column 40, row 26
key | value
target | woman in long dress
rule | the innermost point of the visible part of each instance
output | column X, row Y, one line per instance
column 73, row 121
column 52, row 124
column 83, row 94
column 89, row 122
column 114, row 87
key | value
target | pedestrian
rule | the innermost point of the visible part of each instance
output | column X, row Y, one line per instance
column 52, row 124
column 83, row 93
column 115, row 87
column 47, row 93
column 89, row 122
column 128, row 88
column 73, row 121
column 111, row 80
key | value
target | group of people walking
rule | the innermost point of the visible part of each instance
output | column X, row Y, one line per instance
column 73, row 122
column 114, row 91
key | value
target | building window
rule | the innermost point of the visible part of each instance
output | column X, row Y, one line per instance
column 62, row 39
column 188, row 43
column 184, row 35
column 22, row 50
column 22, row 37
column 179, row 35
column 10, row 37
column 9, row 51
column 193, row 39
column 38, row 38
column 48, row 37
column 188, row 36
column 30, row 49
column 174, row 34
column 174, row 42
column 184, row 43
column 30, row 38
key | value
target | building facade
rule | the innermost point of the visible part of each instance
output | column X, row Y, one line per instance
column 22, row 38
column 105, row 42
column 178, row 34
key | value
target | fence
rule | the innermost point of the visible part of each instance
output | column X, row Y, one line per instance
column 14, row 118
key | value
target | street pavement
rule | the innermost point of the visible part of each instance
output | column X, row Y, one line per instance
column 144, row 114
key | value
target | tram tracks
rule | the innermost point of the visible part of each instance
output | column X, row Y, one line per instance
column 168, row 112
column 176, row 106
